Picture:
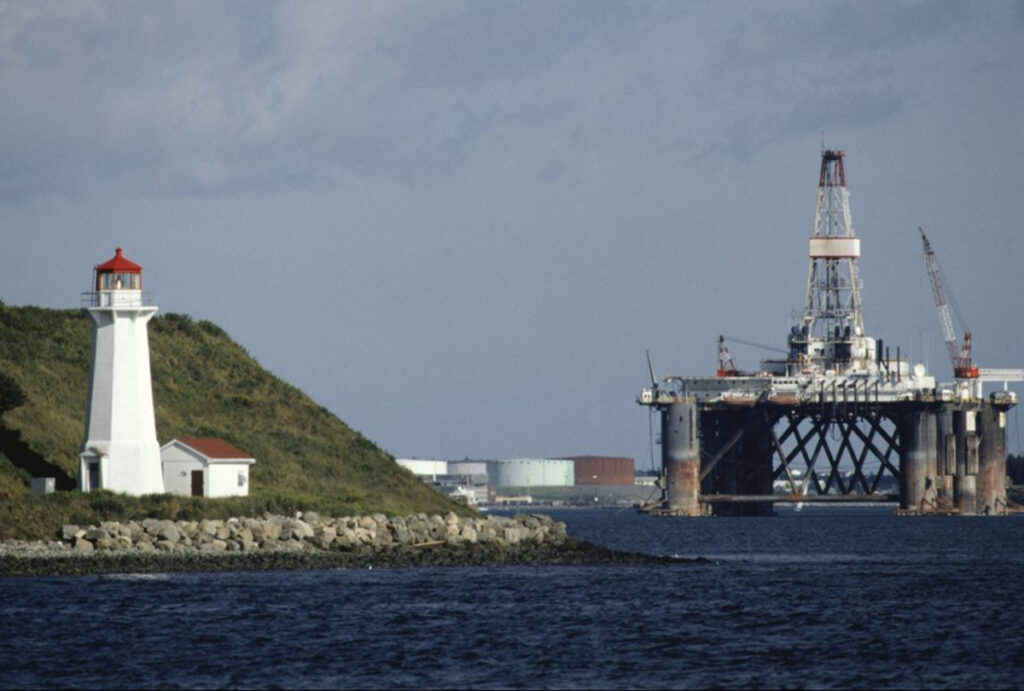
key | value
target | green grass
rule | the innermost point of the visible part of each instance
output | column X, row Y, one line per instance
column 204, row 384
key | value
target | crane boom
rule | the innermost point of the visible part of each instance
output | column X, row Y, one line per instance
column 960, row 356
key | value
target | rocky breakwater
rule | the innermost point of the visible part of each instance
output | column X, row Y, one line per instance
column 306, row 540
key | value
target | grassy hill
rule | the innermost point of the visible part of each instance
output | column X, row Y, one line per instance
column 204, row 384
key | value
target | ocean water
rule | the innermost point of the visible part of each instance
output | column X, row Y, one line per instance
column 820, row 598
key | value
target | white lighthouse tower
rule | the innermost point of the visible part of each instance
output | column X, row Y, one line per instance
column 120, row 452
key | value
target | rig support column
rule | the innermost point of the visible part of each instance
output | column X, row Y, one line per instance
column 680, row 456
column 965, row 483
column 919, row 460
column 991, row 460
column 947, row 457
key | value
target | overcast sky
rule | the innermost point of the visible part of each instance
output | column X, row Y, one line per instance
column 459, row 225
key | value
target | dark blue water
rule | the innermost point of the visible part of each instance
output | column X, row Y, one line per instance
column 820, row 598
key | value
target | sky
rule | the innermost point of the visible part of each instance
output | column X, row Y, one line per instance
column 460, row 225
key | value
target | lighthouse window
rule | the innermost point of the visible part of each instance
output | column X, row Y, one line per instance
column 121, row 281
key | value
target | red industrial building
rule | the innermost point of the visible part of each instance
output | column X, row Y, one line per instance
column 603, row 470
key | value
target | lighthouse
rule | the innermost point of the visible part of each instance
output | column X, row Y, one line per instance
column 120, row 452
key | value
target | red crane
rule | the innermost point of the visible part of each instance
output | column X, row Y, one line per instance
column 959, row 355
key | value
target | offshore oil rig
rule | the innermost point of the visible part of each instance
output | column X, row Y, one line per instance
column 835, row 416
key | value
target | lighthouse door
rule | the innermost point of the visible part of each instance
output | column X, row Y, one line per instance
column 197, row 483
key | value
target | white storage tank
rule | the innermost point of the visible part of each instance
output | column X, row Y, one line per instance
column 423, row 467
column 467, row 467
column 531, row 472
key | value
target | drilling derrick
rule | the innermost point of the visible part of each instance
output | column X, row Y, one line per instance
column 830, row 336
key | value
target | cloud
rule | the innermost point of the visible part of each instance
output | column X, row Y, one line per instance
column 779, row 74
column 182, row 97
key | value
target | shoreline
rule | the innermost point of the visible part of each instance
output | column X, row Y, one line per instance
column 571, row 552
column 307, row 541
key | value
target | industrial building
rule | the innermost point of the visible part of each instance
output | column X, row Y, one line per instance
column 571, row 480
column 603, row 470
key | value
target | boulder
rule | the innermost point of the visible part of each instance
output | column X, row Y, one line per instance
column 324, row 535
column 69, row 532
column 271, row 530
column 301, row 530
column 169, row 532
column 83, row 545
column 209, row 527
column 94, row 534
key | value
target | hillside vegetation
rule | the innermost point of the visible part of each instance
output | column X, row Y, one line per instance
column 204, row 384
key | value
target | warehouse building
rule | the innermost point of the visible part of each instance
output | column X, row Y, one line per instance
column 603, row 470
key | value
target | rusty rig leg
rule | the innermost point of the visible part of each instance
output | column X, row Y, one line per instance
column 918, row 460
column 680, row 457
column 991, row 460
column 965, row 483
column 947, row 457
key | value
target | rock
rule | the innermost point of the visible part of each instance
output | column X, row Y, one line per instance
column 512, row 535
column 134, row 530
column 324, row 535
column 168, row 532
column 145, row 547
column 345, row 538
column 94, row 534
column 83, row 545
column 382, row 536
column 165, row 545
column 223, row 532
column 468, row 533
column 311, row 517
column 367, row 523
column 271, row 530
column 301, row 530
column 68, row 532
column 451, row 518
column 403, row 535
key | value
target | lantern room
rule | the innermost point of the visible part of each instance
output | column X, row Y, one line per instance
column 118, row 274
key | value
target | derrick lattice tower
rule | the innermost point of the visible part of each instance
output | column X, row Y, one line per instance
column 830, row 334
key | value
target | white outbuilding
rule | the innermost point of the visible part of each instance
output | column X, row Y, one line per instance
column 205, row 467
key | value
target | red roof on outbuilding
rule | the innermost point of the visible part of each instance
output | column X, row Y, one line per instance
column 119, row 265
column 212, row 447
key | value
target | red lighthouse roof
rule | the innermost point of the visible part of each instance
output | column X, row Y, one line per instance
column 119, row 265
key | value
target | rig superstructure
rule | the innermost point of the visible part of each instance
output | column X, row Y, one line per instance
column 838, row 413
